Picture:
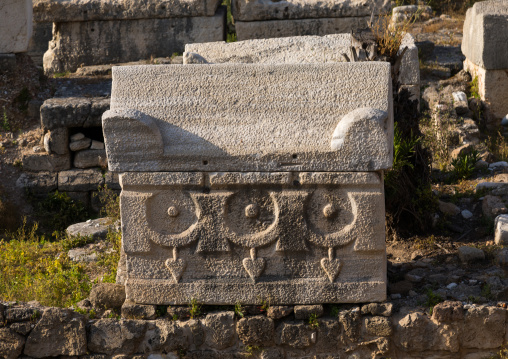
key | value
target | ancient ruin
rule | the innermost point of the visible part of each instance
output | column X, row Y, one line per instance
column 271, row 189
column 485, row 45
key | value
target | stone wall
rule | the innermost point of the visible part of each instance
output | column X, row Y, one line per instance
column 376, row 330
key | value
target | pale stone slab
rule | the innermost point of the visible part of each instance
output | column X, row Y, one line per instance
column 275, row 118
column 246, row 30
column 254, row 10
column 87, row 10
column 87, row 43
column 493, row 89
column 485, row 39
column 15, row 25
column 299, row 50
column 261, row 236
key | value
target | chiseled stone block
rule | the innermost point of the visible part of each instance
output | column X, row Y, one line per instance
column 79, row 43
column 485, row 40
column 87, row 10
column 276, row 118
column 249, row 10
column 15, row 25
column 271, row 189
column 237, row 237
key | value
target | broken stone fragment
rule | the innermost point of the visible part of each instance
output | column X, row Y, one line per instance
column 80, row 144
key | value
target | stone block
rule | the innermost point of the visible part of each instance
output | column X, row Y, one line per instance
column 384, row 309
column 11, row 343
column 65, row 112
column 58, row 332
column 220, row 330
column 15, row 25
column 107, row 295
column 245, row 10
column 492, row 88
column 87, row 10
column 304, row 115
column 501, row 229
column 296, row 335
column 80, row 180
column 327, row 249
column 258, row 330
column 38, row 182
column 110, row 336
column 90, row 158
column 485, row 39
column 43, row 162
column 57, row 141
column 81, row 43
column 470, row 254
column 132, row 310
column 448, row 312
column 20, row 314
column 378, row 326
column 484, row 327
column 246, row 30
column 329, row 335
column 80, row 144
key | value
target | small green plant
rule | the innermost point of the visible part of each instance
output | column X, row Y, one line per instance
column 6, row 126
column 110, row 202
column 313, row 321
column 474, row 88
column 239, row 310
column 92, row 314
column 334, row 312
column 252, row 349
column 464, row 165
column 58, row 75
column 109, row 260
column 174, row 317
column 432, row 300
column 264, row 305
column 194, row 308
column 161, row 310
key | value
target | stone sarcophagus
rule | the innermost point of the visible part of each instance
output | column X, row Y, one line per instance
column 249, row 182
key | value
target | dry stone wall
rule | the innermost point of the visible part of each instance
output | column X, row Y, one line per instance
column 373, row 330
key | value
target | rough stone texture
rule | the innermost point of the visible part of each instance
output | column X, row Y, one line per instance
column 164, row 336
column 485, row 39
column 447, row 312
column 97, row 228
column 501, row 229
column 219, row 329
column 15, row 25
column 484, row 327
column 493, row 89
column 43, row 162
column 72, row 112
column 378, row 326
column 296, row 335
column 38, row 45
column 57, row 141
column 157, row 277
column 110, row 336
column 90, row 158
column 80, row 180
column 132, row 310
column 107, row 295
column 82, row 43
column 449, row 208
column 20, row 314
column 40, row 182
column 416, row 332
column 384, row 309
column 305, row 311
column 11, row 343
column 80, row 144
column 492, row 206
column 247, row 30
column 351, row 322
column 278, row 312
column 301, row 50
column 470, row 254
column 258, row 330
column 285, row 137
column 245, row 10
column 59, row 332
column 87, row 10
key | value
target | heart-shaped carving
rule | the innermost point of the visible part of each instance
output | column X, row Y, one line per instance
column 331, row 267
column 254, row 266
column 176, row 267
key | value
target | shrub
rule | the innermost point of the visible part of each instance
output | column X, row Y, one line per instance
column 464, row 165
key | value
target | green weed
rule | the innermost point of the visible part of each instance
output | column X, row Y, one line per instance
column 6, row 126
column 252, row 349
column 474, row 88
column 109, row 260
column 432, row 300
column 239, row 310
column 110, row 203
column 464, row 165
column 194, row 308
column 313, row 321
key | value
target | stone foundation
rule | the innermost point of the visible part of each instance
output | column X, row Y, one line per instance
column 365, row 331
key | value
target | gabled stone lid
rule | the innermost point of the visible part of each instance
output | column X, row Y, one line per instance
column 250, row 117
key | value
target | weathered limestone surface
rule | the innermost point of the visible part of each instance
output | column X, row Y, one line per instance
column 15, row 25
column 485, row 41
column 248, row 10
column 181, row 242
column 87, row 10
column 84, row 43
column 493, row 89
column 283, row 120
column 246, row 30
